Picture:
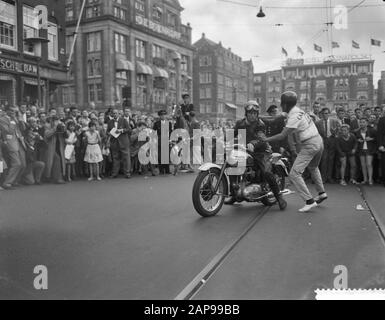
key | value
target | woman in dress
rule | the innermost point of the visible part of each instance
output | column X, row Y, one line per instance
column 93, row 154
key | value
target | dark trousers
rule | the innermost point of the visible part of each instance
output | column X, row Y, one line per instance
column 382, row 163
column 120, row 155
column 328, row 158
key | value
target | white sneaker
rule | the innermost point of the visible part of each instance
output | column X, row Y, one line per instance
column 308, row 207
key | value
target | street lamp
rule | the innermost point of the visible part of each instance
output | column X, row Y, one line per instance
column 261, row 14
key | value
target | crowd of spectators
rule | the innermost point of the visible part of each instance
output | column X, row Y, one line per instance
column 64, row 144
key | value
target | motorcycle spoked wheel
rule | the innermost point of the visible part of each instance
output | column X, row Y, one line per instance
column 206, row 203
column 271, row 201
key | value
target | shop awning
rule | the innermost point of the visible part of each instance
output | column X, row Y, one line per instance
column 124, row 65
column 143, row 68
column 232, row 106
column 159, row 72
column 176, row 55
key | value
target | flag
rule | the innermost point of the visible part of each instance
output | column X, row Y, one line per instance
column 317, row 48
column 355, row 45
column 300, row 51
column 335, row 45
column 376, row 43
column 284, row 51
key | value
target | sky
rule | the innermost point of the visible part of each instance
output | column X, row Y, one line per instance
column 258, row 38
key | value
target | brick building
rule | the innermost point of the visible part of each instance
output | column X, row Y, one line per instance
column 135, row 52
column 260, row 89
column 29, row 52
column 223, row 82
column 345, row 81
column 273, row 88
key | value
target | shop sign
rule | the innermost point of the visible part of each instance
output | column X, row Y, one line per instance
column 156, row 27
column 16, row 66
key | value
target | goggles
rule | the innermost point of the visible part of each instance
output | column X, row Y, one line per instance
column 252, row 107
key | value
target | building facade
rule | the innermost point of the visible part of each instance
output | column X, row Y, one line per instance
column 339, row 82
column 30, row 51
column 273, row 88
column 131, row 52
column 223, row 82
column 260, row 89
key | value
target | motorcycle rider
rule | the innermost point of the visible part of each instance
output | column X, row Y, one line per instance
column 310, row 153
column 253, row 126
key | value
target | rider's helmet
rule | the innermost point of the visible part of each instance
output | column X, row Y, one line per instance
column 288, row 100
column 252, row 105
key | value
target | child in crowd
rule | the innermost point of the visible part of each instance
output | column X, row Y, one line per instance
column 346, row 150
column 69, row 152
column 366, row 138
column 93, row 154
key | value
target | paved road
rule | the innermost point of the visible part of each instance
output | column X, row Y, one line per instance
column 141, row 239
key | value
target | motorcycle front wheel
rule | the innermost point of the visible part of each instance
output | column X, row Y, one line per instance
column 207, row 202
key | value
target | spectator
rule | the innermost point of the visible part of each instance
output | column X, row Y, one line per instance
column 186, row 106
column 14, row 147
column 346, row 148
column 35, row 168
column 93, row 154
column 55, row 159
column 315, row 114
column 69, row 152
column 328, row 129
column 163, row 168
column 381, row 145
column 366, row 149
column 120, row 144
column 358, row 113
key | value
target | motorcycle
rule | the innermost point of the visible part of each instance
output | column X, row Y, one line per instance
column 212, row 185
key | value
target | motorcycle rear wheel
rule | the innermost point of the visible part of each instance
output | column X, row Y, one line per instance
column 203, row 194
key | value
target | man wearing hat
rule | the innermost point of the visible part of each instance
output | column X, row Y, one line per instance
column 163, row 168
column 187, row 106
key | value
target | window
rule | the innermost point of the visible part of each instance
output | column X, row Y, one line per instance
column 95, row 93
column 205, row 93
column 53, row 42
column 118, row 1
column 257, row 79
column 305, row 73
column 93, row 9
column 303, row 97
column 362, row 95
column 321, row 72
column 205, row 107
column 341, row 96
column 94, row 40
column 229, row 82
column 121, row 75
column 305, row 85
column 69, row 10
column 8, row 24
column 205, row 77
column 273, row 79
column 362, row 69
column 341, row 71
column 320, row 97
column 341, row 83
column 30, row 29
column 171, row 20
column 69, row 41
column 120, row 13
column 97, row 67
column 157, row 51
column 205, row 61
column 221, row 108
column 362, row 82
column 290, row 74
column 120, row 43
column 290, row 86
column 320, row 84
column 140, row 47
column 258, row 89
column 159, row 96
column 185, row 63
